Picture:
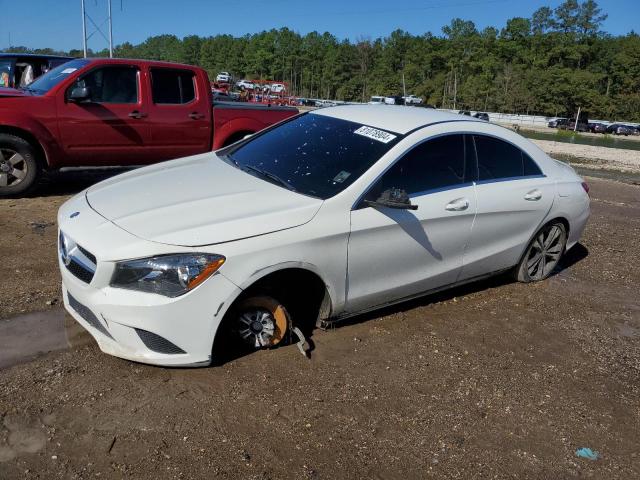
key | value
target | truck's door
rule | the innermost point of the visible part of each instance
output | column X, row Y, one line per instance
column 110, row 126
column 179, row 113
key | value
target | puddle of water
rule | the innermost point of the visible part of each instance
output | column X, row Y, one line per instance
column 27, row 337
column 599, row 140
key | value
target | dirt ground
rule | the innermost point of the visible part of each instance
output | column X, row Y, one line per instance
column 494, row 380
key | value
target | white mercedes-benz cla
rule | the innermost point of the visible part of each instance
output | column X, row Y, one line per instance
column 323, row 216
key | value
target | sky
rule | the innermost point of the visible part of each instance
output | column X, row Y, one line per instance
column 57, row 24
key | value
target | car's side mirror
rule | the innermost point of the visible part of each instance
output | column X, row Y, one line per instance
column 393, row 198
column 80, row 94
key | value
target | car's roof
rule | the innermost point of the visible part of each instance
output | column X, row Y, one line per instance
column 392, row 118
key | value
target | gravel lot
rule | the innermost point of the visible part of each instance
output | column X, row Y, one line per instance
column 597, row 157
column 494, row 380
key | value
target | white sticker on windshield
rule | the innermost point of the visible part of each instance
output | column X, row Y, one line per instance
column 69, row 70
column 375, row 134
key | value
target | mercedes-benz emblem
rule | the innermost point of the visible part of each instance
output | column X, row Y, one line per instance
column 64, row 252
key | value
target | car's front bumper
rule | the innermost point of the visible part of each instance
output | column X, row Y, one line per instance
column 144, row 327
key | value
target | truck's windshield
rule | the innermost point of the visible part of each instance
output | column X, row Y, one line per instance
column 316, row 155
column 54, row 76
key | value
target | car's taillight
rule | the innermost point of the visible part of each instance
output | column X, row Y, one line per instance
column 585, row 185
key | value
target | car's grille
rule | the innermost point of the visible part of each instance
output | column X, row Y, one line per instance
column 80, row 271
column 88, row 254
column 87, row 315
column 157, row 343
column 78, row 260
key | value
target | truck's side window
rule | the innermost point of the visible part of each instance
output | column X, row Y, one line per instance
column 172, row 86
column 111, row 84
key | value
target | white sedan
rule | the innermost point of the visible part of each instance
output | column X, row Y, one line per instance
column 321, row 217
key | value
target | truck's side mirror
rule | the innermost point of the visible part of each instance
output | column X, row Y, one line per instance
column 80, row 94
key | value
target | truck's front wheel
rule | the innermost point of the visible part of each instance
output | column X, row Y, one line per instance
column 19, row 167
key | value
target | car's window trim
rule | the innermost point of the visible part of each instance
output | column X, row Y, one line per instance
column 359, row 204
column 510, row 179
column 103, row 66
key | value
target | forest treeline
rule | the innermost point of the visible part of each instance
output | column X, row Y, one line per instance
column 549, row 64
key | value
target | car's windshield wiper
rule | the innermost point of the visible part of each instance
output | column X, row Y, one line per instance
column 268, row 175
column 29, row 89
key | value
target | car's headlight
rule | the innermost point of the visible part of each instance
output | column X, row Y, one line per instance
column 169, row 275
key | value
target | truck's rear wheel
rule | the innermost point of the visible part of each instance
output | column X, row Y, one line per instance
column 19, row 168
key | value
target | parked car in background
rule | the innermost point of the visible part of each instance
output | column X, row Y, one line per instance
column 464, row 112
column 571, row 125
column 111, row 112
column 223, row 77
column 597, row 127
column 621, row 129
column 278, row 87
column 412, row 100
column 329, row 214
column 394, row 100
column 376, row 100
column 246, row 84
column 20, row 70
column 482, row 116
column 557, row 122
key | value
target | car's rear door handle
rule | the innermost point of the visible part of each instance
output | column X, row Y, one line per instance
column 137, row 114
column 196, row 116
column 533, row 195
column 457, row 205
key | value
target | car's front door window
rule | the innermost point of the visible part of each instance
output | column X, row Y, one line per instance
column 436, row 164
column 111, row 84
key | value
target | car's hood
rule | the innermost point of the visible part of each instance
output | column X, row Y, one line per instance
column 197, row 201
column 13, row 92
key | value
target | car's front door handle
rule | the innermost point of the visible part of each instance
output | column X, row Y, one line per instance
column 457, row 205
column 196, row 116
column 533, row 195
column 137, row 114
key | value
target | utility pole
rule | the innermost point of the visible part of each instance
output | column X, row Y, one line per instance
column 455, row 88
column 97, row 28
column 575, row 127
column 84, row 30
column 404, row 88
column 110, row 31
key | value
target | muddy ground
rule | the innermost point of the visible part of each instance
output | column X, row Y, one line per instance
column 494, row 380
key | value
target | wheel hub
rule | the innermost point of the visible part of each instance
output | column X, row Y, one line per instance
column 13, row 167
column 257, row 327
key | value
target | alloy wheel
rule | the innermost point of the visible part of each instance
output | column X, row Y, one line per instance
column 545, row 252
column 13, row 167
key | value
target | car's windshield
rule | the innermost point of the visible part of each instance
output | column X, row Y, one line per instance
column 313, row 154
column 54, row 76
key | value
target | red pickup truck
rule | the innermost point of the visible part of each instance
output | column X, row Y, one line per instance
column 113, row 112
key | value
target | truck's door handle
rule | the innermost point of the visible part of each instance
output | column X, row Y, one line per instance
column 457, row 205
column 196, row 116
column 137, row 114
column 533, row 195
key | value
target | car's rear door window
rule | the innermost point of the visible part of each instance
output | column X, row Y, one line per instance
column 172, row 86
column 499, row 160
column 436, row 164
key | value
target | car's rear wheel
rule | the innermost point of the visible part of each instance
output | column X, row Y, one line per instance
column 543, row 253
column 260, row 322
column 19, row 167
